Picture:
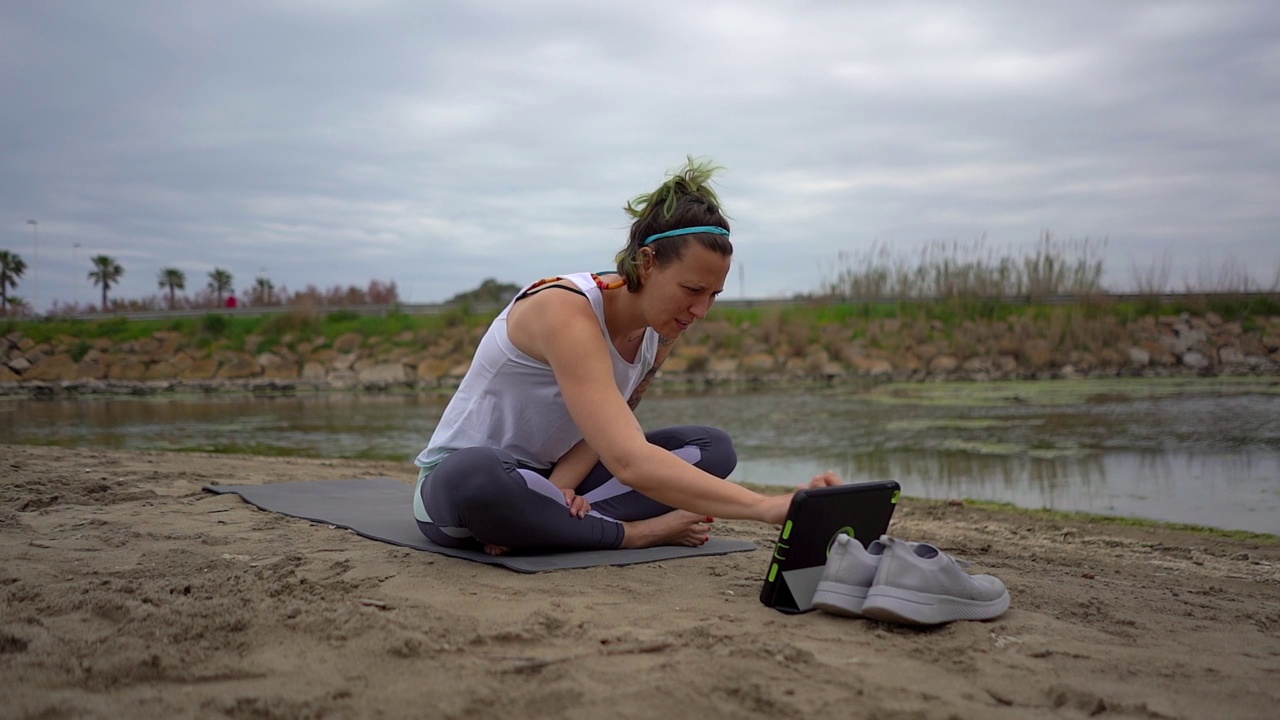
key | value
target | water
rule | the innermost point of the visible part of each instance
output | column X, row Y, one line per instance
column 1197, row 452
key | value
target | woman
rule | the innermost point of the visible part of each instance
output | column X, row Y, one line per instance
column 539, row 448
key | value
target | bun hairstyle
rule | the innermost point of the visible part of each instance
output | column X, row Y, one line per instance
column 684, row 202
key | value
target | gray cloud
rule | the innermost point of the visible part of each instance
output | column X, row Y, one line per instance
column 440, row 143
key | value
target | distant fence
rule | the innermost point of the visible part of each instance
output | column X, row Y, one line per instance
column 736, row 304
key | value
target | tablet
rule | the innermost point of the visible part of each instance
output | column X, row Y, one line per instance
column 816, row 516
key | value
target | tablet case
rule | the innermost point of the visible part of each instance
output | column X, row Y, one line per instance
column 815, row 517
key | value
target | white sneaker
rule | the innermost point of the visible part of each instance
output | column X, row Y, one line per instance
column 847, row 576
column 919, row 584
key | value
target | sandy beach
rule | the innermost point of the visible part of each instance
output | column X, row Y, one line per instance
column 130, row 593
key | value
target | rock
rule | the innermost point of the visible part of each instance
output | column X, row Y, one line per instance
column 277, row 368
column 460, row 369
column 19, row 365
column 162, row 371
column 182, row 361
column 312, row 370
column 673, row 364
column 433, row 369
column 926, row 352
column 722, row 366
column 239, row 366
column 127, row 369
column 1213, row 319
column 92, row 368
column 281, row 370
column 1004, row 364
column 943, row 364
column 1270, row 342
column 1037, row 354
column 251, row 343
column 383, row 373
column 342, row 378
column 348, row 342
column 1195, row 360
column 1158, row 355
column 758, row 363
column 7, row 375
column 202, row 369
column 870, row 366
column 1083, row 361
column 1231, row 330
column 1259, row 363
column 1230, row 355
column 1110, row 358
column 343, row 361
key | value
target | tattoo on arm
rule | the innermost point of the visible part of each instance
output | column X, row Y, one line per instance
column 638, row 393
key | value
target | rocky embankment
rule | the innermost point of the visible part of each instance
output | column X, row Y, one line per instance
column 714, row 352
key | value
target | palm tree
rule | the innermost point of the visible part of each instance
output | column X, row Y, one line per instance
column 262, row 291
column 219, row 283
column 11, row 268
column 174, row 279
column 106, row 272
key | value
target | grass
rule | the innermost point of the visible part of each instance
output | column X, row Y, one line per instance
column 945, row 292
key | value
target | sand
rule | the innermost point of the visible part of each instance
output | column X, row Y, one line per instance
column 128, row 592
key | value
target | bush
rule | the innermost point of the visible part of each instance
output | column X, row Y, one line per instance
column 214, row 325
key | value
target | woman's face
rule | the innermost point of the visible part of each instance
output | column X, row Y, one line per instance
column 680, row 292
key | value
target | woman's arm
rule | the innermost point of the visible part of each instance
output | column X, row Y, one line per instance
column 571, row 469
column 567, row 334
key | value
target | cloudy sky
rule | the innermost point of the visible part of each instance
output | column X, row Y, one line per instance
column 438, row 143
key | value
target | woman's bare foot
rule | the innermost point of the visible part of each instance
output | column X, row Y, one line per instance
column 677, row 527
column 496, row 549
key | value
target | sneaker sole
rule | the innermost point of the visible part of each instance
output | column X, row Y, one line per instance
column 917, row 608
column 839, row 599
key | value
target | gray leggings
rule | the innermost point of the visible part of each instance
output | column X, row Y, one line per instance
column 483, row 495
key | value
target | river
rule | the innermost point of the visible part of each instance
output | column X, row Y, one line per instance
column 1194, row 451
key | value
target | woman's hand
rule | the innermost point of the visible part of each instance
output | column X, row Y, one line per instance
column 826, row 479
column 578, row 505
column 775, row 507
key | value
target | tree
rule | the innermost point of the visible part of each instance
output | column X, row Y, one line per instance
column 106, row 272
column 174, row 279
column 262, row 290
column 12, row 266
column 490, row 291
column 219, row 283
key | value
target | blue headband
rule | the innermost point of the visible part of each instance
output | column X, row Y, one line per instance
column 686, row 231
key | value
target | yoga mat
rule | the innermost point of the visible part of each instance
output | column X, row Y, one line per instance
column 382, row 509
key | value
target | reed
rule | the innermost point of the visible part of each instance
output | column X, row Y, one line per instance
column 975, row 272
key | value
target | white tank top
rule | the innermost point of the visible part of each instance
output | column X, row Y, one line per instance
column 509, row 401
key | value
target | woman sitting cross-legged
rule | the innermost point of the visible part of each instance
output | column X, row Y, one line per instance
column 539, row 448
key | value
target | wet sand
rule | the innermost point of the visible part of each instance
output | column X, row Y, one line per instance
column 129, row 592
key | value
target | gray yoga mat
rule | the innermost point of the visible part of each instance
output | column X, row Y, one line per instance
column 382, row 509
